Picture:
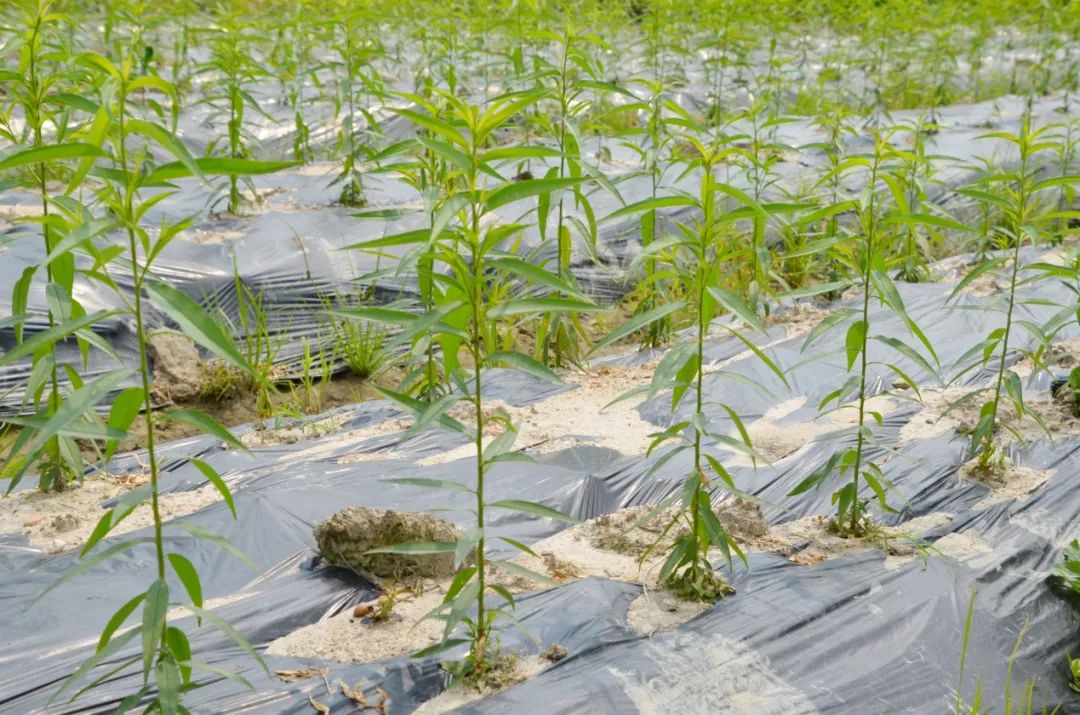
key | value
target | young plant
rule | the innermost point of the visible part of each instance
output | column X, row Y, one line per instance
column 165, row 657
column 700, row 252
column 1020, row 196
column 231, row 69
column 465, row 239
column 49, row 136
column 654, row 155
column 354, row 48
column 866, row 257
column 560, row 338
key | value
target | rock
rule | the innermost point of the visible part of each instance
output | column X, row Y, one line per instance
column 33, row 520
column 175, row 361
column 345, row 537
column 742, row 519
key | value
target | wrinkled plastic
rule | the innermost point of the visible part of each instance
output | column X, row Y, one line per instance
column 854, row 634
column 292, row 253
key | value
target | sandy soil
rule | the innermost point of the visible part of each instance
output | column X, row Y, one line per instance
column 59, row 522
column 1012, row 483
column 799, row 319
column 455, row 697
column 292, row 433
column 775, row 439
column 807, row 541
column 580, row 416
column 608, row 547
column 936, row 417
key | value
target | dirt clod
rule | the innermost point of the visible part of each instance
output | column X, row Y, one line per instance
column 345, row 538
column 175, row 361
column 555, row 652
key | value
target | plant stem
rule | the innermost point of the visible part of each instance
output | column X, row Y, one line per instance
column 868, row 256
column 1018, row 228
column 480, row 637
column 59, row 477
column 144, row 366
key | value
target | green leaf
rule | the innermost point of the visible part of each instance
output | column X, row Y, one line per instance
column 188, row 576
column 207, row 425
column 528, row 507
column 117, row 620
column 430, row 483
column 652, row 204
column 197, row 324
column 48, row 337
column 166, row 140
column 636, row 323
column 524, row 363
column 520, row 571
column 223, row 626
column 516, row 191
column 534, row 274
column 200, row 533
column 518, row 545
column 738, row 307
column 854, row 342
column 211, row 474
column 528, row 306
column 46, row 154
column 155, row 607
column 215, row 166
column 466, row 545
column 925, row 219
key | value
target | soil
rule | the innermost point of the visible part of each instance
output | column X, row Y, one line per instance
column 583, row 415
column 569, row 555
column 799, row 319
column 291, row 434
column 343, row 389
column 175, row 362
column 936, row 418
column 62, row 521
column 807, row 541
column 1006, row 482
column 774, row 439
column 517, row 671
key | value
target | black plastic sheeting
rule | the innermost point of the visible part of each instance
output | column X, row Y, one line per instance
column 291, row 252
column 850, row 635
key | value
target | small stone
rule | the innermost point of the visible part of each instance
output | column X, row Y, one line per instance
column 33, row 520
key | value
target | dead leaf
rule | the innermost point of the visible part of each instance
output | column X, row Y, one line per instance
column 318, row 706
column 291, row 676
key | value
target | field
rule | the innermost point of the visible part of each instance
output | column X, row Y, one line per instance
column 501, row 356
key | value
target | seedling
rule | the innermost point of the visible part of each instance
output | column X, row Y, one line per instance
column 465, row 238
column 700, row 251
column 1020, row 196
column 866, row 259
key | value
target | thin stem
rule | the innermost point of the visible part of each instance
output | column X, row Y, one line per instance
column 53, row 448
column 1018, row 228
column 480, row 641
column 867, row 267
column 144, row 366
